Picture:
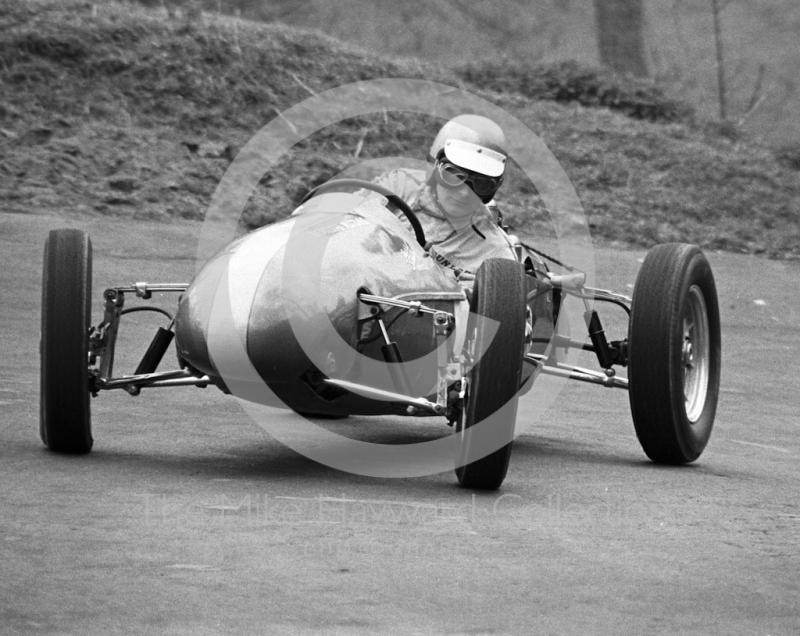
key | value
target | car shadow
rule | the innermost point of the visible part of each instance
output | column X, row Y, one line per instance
column 259, row 458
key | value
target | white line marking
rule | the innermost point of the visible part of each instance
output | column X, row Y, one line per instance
column 374, row 502
column 776, row 448
column 222, row 507
column 194, row 566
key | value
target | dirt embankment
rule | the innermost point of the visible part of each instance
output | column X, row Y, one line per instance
column 117, row 110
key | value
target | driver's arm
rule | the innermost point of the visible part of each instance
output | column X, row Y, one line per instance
column 402, row 182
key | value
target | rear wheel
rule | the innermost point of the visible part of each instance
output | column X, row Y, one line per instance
column 499, row 294
column 674, row 353
column 65, row 422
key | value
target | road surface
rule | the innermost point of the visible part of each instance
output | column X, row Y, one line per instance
column 187, row 518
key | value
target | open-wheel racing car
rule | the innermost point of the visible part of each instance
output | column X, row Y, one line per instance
column 342, row 312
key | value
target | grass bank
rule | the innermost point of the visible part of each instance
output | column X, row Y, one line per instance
column 116, row 109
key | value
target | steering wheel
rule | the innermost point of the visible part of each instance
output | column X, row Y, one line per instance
column 394, row 200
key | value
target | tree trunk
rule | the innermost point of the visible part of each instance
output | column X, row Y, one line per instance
column 620, row 36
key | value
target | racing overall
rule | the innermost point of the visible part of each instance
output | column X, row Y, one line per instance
column 463, row 249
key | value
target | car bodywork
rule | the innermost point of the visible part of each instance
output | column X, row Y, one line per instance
column 338, row 311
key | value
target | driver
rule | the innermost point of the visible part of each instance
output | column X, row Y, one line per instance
column 467, row 162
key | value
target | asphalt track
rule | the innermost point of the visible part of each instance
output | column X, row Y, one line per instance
column 188, row 519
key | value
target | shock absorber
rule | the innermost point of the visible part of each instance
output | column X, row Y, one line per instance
column 598, row 338
column 155, row 352
column 391, row 354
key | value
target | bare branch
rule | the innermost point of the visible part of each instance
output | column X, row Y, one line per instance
column 752, row 110
column 300, row 82
column 755, row 97
column 756, row 103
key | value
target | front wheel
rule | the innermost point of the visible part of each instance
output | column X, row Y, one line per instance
column 498, row 294
column 674, row 353
column 65, row 422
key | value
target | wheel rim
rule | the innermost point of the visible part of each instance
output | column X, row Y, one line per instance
column 695, row 354
column 528, row 329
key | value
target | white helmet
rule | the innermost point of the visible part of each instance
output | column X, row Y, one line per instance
column 472, row 142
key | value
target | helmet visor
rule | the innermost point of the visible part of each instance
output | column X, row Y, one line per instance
column 475, row 158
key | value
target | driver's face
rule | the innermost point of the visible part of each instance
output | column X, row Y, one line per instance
column 459, row 203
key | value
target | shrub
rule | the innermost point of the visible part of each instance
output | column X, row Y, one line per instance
column 789, row 156
column 572, row 82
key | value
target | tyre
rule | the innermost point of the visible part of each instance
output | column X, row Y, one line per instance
column 65, row 422
column 499, row 293
column 674, row 353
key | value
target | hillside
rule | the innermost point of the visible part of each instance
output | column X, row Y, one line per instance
column 678, row 35
column 110, row 109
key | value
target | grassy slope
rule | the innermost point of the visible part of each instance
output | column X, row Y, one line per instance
column 678, row 35
column 125, row 112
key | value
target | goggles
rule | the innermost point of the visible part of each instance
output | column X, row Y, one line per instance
column 451, row 176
